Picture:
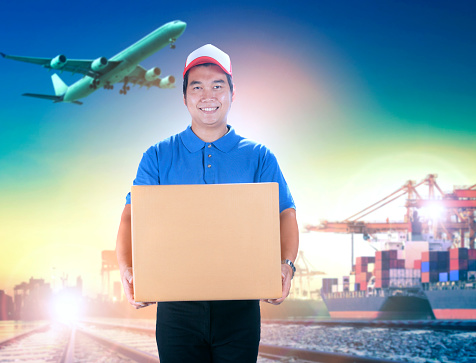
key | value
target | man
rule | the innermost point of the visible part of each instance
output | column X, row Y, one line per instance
column 209, row 152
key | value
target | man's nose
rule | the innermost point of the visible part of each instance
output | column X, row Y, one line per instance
column 207, row 95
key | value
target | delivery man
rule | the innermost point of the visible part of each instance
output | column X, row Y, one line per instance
column 209, row 151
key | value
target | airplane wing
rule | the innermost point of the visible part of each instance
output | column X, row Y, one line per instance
column 92, row 68
column 49, row 97
column 149, row 78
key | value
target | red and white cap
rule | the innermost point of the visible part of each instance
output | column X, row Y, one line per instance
column 208, row 54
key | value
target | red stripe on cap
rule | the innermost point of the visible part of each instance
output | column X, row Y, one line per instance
column 203, row 60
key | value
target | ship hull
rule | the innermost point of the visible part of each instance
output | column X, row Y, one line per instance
column 453, row 304
column 379, row 307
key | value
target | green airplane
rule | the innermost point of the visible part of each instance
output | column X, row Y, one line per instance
column 102, row 72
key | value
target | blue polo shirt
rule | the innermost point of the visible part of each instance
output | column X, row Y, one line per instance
column 186, row 159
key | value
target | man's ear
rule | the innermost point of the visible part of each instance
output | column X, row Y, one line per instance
column 233, row 94
column 184, row 100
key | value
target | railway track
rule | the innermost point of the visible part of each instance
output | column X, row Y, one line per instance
column 93, row 341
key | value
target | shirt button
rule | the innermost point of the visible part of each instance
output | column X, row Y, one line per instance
column 209, row 155
column 209, row 145
column 209, row 165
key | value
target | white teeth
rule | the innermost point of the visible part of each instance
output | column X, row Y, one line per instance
column 209, row 109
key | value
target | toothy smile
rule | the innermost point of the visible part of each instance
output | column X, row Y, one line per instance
column 209, row 109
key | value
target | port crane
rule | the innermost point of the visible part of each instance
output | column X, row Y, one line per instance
column 108, row 263
column 304, row 273
column 457, row 221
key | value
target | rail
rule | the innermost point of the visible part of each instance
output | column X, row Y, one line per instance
column 129, row 352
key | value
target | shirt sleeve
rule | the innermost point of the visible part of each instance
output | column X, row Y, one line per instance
column 148, row 171
column 271, row 172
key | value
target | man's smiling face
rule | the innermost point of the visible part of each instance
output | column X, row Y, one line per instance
column 208, row 97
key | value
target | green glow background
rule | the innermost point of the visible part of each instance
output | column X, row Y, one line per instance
column 354, row 97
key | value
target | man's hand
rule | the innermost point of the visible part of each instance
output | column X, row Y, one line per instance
column 286, row 275
column 127, row 282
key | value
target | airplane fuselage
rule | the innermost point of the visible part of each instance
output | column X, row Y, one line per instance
column 129, row 58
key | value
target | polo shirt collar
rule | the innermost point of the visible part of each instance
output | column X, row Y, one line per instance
column 193, row 143
column 227, row 141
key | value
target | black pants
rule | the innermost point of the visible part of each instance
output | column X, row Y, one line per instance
column 208, row 331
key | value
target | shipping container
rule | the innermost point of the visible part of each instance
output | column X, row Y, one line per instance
column 472, row 254
column 443, row 265
column 443, row 255
column 458, row 264
column 431, row 276
column 382, row 264
column 382, row 274
column 459, row 253
column 382, row 283
column 456, row 275
column 429, row 256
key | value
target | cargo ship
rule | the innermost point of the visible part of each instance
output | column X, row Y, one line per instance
column 408, row 280
column 421, row 269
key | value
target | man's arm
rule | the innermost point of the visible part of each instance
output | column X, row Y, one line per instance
column 124, row 256
column 289, row 249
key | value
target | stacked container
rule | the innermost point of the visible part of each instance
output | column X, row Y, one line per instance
column 343, row 284
column 364, row 267
column 472, row 265
column 390, row 269
column 327, row 284
column 404, row 277
column 462, row 263
column 434, row 266
column 384, row 261
column 352, row 285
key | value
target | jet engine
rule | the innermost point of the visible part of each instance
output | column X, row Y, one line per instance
column 58, row 62
column 167, row 82
column 99, row 64
column 152, row 74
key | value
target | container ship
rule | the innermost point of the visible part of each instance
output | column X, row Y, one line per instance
column 420, row 269
column 410, row 283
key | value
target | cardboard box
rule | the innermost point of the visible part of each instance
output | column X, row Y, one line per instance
column 206, row 242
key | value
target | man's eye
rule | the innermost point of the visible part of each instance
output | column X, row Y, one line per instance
column 218, row 86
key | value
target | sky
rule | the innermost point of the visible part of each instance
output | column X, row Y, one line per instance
column 353, row 97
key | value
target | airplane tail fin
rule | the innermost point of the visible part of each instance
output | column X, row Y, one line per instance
column 59, row 85
column 60, row 90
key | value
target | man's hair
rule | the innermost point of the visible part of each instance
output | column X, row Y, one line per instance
column 185, row 78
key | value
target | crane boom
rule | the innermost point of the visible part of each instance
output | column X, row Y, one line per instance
column 459, row 216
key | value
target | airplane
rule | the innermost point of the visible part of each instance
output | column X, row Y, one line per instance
column 122, row 68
